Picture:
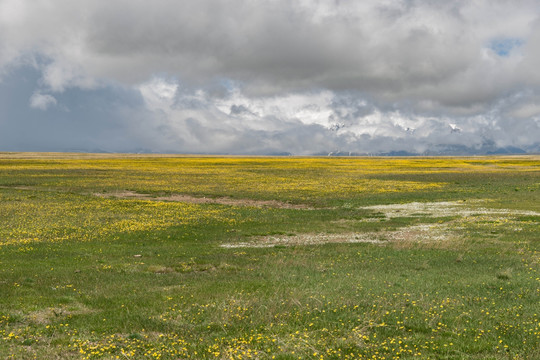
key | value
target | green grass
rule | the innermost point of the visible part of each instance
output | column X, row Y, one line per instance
column 88, row 277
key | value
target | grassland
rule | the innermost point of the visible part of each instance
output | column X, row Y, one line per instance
column 161, row 257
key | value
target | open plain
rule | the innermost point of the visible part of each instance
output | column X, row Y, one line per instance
column 177, row 257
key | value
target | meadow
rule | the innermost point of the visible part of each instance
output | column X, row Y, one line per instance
column 178, row 257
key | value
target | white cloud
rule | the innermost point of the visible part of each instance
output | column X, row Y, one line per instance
column 42, row 101
column 307, row 108
column 60, row 74
column 526, row 111
column 159, row 93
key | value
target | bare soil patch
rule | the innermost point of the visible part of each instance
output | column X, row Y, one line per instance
column 204, row 200
column 425, row 233
column 48, row 315
column 305, row 239
column 444, row 209
column 22, row 187
column 440, row 235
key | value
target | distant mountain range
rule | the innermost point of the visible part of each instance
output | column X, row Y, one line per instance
column 435, row 150
column 445, row 150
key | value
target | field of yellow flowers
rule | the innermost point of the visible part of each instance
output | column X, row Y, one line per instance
column 178, row 257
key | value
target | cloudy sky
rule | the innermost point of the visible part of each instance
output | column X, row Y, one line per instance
column 267, row 77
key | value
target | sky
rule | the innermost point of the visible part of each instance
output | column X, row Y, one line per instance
column 262, row 77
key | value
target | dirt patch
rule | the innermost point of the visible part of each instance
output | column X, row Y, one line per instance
column 440, row 235
column 126, row 194
column 354, row 221
column 305, row 239
column 17, row 187
column 444, row 209
column 46, row 316
column 204, row 200
column 234, row 202
column 30, row 188
column 182, row 198
column 425, row 233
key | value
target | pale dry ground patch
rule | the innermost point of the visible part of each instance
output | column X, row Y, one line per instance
column 417, row 233
column 445, row 209
column 31, row 188
column 127, row 194
column 51, row 314
column 204, row 200
column 304, row 239
column 441, row 235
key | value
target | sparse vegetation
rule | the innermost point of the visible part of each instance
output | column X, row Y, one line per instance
column 263, row 258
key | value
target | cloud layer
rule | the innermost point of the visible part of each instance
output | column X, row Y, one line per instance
column 274, row 76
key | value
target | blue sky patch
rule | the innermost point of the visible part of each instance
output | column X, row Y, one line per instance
column 504, row 46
